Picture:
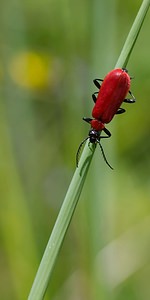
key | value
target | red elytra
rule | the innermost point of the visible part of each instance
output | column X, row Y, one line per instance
column 112, row 92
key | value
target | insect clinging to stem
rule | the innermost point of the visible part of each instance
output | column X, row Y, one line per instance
column 112, row 93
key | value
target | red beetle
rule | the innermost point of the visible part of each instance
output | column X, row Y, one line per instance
column 112, row 92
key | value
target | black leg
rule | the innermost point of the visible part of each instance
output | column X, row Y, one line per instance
column 88, row 120
column 120, row 111
column 106, row 136
column 96, row 82
column 130, row 100
column 94, row 97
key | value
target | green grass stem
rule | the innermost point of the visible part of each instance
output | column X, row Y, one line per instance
column 66, row 212
column 61, row 225
column 133, row 34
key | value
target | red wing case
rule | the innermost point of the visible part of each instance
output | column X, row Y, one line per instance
column 112, row 93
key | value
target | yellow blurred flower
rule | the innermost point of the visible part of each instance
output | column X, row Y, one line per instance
column 30, row 70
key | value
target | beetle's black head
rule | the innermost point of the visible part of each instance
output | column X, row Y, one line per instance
column 94, row 136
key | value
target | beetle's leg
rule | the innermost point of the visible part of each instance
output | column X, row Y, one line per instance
column 88, row 120
column 107, row 132
column 120, row 111
column 132, row 100
column 94, row 97
column 96, row 82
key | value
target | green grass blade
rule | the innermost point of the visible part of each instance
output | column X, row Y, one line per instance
column 61, row 225
column 75, row 188
column 133, row 34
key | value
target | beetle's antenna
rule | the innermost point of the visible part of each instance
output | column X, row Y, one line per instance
column 79, row 149
column 103, row 153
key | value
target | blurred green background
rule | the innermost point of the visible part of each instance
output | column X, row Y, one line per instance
column 50, row 53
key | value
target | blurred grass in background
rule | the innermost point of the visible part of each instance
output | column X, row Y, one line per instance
column 50, row 53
